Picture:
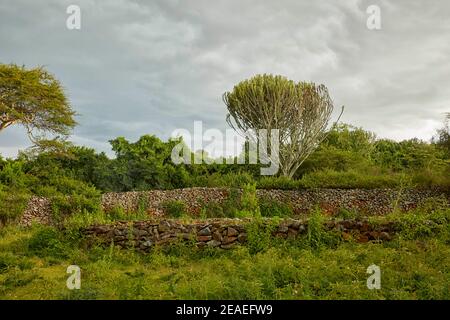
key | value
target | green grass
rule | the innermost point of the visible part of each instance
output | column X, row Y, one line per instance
column 415, row 265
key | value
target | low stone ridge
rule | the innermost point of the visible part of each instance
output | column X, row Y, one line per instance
column 221, row 233
column 370, row 202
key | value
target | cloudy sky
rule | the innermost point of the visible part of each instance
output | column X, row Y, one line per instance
column 140, row 67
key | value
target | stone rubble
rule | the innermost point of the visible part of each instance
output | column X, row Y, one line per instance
column 222, row 233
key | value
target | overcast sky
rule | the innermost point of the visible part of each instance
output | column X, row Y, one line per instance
column 149, row 67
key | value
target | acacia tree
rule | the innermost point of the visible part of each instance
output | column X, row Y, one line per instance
column 35, row 100
column 300, row 111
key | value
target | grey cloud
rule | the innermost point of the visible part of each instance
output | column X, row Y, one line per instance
column 139, row 67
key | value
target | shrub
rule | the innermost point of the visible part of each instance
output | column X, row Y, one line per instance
column 316, row 232
column 249, row 201
column 117, row 213
column 232, row 204
column 317, row 236
column 348, row 180
column 8, row 261
column 12, row 204
column 213, row 209
column 259, row 234
column 236, row 180
column 272, row 208
column 416, row 226
column 13, row 175
column 143, row 204
column 429, row 178
column 347, row 213
column 283, row 183
column 64, row 205
column 174, row 208
column 47, row 241
column 433, row 204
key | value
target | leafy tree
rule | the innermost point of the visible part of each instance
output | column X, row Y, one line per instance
column 346, row 147
column 34, row 99
column 300, row 111
column 146, row 164
column 442, row 138
column 350, row 138
column 412, row 154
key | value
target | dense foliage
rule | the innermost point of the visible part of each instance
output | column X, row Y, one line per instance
column 34, row 99
column 348, row 158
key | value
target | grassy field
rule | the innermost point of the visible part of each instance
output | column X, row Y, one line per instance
column 414, row 265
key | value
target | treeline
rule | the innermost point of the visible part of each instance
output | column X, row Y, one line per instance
column 349, row 157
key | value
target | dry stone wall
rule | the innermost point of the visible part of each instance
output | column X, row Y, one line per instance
column 38, row 210
column 221, row 233
column 371, row 202
column 375, row 201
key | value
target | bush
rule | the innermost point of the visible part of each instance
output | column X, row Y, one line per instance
column 329, row 178
column 249, row 201
column 348, row 180
column 64, row 205
column 347, row 213
column 316, row 232
column 227, row 180
column 429, row 178
column 433, row 204
column 283, row 183
column 174, row 208
column 235, row 180
column 47, row 241
column 259, row 234
column 317, row 236
column 12, row 204
column 143, row 204
column 213, row 209
column 272, row 208
column 117, row 213
column 232, row 204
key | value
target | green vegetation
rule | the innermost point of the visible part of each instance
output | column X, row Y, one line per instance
column 174, row 208
column 34, row 99
column 318, row 265
column 272, row 208
column 348, row 158
column 299, row 111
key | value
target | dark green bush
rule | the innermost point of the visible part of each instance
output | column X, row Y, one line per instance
column 317, row 237
column 249, row 202
column 213, row 209
column 272, row 208
column 117, row 213
column 283, row 183
column 348, row 180
column 47, row 241
column 12, row 204
column 63, row 205
column 259, row 234
column 347, row 213
column 232, row 204
column 174, row 208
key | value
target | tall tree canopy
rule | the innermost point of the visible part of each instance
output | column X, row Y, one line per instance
column 300, row 111
column 34, row 99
